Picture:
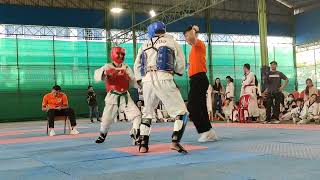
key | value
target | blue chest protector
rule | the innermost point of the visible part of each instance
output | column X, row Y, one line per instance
column 165, row 59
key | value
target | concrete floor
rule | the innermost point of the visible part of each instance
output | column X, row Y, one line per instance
column 244, row 151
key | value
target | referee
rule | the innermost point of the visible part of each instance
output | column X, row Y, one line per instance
column 199, row 84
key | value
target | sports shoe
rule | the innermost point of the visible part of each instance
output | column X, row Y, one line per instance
column 208, row 136
column 52, row 133
column 276, row 122
column 74, row 131
column 101, row 138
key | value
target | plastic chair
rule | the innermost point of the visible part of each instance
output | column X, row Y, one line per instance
column 61, row 118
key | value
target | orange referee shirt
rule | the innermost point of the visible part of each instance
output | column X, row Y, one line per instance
column 49, row 100
column 197, row 58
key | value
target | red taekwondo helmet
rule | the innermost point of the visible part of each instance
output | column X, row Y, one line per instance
column 115, row 54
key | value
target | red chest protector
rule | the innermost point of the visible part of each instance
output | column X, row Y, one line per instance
column 117, row 79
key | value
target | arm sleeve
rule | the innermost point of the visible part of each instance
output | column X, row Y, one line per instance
column 99, row 73
column 130, row 73
column 137, row 66
column 282, row 76
column 65, row 100
column 44, row 101
column 180, row 63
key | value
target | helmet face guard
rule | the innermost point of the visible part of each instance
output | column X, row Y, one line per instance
column 115, row 54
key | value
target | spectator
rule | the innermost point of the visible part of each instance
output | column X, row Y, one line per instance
column 56, row 104
column 310, row 89
column 93, row 105
column 229, row 89
column 217, row 91
column 257, row 86
column 274, row 89
column 140, row 94
column 249, row 87
column 296, row 113
column 310, row 110
column 227, row 109
column 262, row 110
column 140, row 105
column 209, row 102
column 235, row 112
column 289, row 104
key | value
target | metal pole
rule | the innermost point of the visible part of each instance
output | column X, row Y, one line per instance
column 209, row 49
column 134, row 37
column 107, row 27
column 315, row 66
column 262, row 19
column 295, row 66
column 185, row 55
column 88, row 66
column 54, row 61
column 255, row 57
column 234, row 66
column 274, row 52
column 17, row 63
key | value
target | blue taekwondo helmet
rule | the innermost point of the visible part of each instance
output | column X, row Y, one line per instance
column 154, row 27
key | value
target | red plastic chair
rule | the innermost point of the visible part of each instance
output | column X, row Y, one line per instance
column 302, row 94
column 296, row 94
column 243, row 107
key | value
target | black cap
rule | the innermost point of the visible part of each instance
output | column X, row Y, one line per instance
column 274, row 62
column 56, row 87
column 189, row 28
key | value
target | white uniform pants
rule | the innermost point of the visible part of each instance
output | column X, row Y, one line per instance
column 111, row 111
column 167, row 92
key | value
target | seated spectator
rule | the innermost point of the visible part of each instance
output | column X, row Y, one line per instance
column 209, row 103
column 295, row 113
column 310, row 89
column 140, row 105
column 122, row 116
column 162, row 114
column 262, row 110
column 289, row 104
column 140, row 94
column 227, row 109
column 235, row 112
column 310, row 110
column 56, row 104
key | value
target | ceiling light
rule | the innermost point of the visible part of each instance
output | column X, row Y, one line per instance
column 152, row 13
column 116, row 10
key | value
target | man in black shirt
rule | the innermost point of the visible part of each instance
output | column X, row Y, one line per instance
column 274, row 90
column 93, row 105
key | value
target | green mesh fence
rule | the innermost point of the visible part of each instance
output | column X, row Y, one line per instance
column 29, row 68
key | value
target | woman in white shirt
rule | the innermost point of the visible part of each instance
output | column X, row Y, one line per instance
column 229, row 88
column 310, row 90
